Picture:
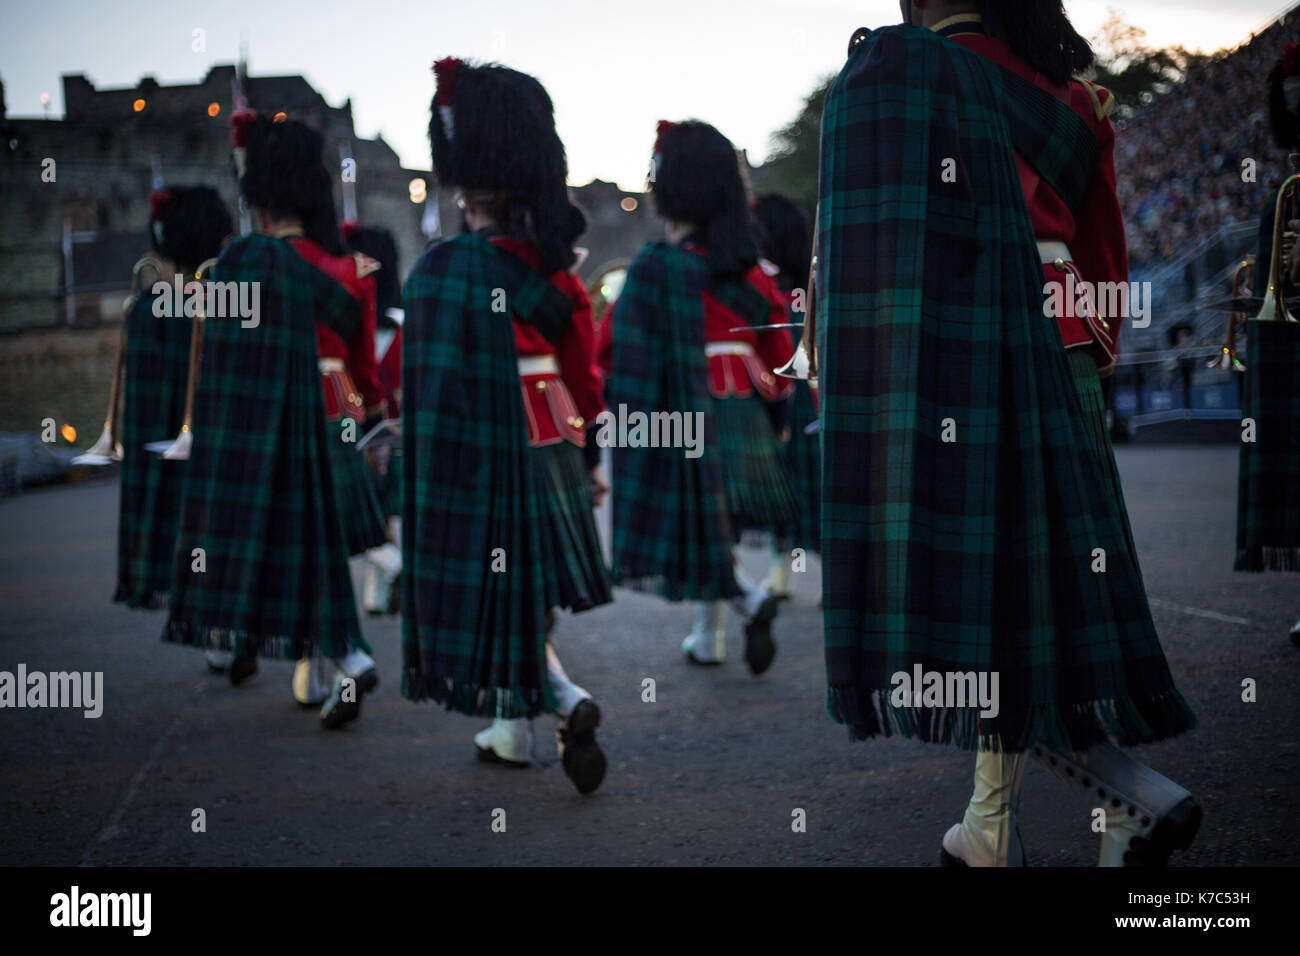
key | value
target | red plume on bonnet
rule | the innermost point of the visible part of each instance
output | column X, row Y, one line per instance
column 662, row 130
column 158, row 204
column 446, row 70
column 1291, row 60
column 240, row 121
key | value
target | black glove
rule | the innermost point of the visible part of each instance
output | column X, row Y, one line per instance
column 778, row 414
column 591, row 451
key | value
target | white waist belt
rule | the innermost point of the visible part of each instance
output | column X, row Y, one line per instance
column 728, row 348
column 330, row 365
column 1051, row 250
column 538, row 365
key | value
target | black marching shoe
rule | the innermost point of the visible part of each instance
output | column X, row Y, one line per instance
column 760, row 649
column 241, row 669
column 1148, row 816
column 581, row 756
column 947, row 859
column 343, row 704
column 1174, row 831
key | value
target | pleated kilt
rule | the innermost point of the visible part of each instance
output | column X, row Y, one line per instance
column 576, row 575
column 153, row 407
column 1088, row 383
column 1268, row 486
column 759, row 491
column 388, row 487
column 363, row 519
column 802, row 456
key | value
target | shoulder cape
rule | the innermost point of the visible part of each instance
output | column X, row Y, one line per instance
column 345, row 314
column 258, row 495
column 672, row 532
column 964, row 506
column 473, row 631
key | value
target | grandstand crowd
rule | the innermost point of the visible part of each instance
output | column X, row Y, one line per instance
column 1180, row 159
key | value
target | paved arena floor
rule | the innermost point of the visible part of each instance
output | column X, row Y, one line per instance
column 711, row 772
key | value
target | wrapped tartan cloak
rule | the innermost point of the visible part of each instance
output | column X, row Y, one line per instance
column 258, row 495
column 672, row 529
column 980, row 553
column 473, row 520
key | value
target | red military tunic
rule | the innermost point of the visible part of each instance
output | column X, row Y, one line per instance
column 741, row 362
column 561, row 386
column 1095, row 232
column 349, row 375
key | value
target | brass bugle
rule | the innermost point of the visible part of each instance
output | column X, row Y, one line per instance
column 179, row 449
column 1242, row 277
column 1275, row 308
column 606, row 287
column 107, row 448
column 803, row 364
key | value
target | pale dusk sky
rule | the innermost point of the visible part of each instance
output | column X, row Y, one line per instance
column 613, row 68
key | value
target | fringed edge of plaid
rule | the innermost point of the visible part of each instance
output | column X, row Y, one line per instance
column 868, row 713
column 1268, row 559
column 508, row 703
column 241, row 643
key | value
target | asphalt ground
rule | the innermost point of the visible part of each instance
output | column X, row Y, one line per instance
column 711, row 772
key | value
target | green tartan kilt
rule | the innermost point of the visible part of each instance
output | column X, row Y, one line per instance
column 576, row 575
column 149, row 507
column 802, row 455
column 363, row 520
column 1268, row 485
column 1088, row 383
column 388, row 488
column 153, row 403
column 759, row 492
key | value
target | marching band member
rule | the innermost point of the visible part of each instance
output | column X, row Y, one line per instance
column 785, row 241
column 497, row 523
column 188, row 226
column 1268, row 487
column 354, row 403
column 379, row 593
column 972, row 516
column 261, row 559
column 668, row 346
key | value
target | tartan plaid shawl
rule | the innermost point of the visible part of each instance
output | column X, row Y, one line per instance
column 473, row 631
column 672, row 532
column 1268, row 487
column 976, row 554
column 258, row 494
column 153, row 407
column 802, row 454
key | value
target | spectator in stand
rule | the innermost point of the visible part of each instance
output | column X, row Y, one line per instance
column 1180, row 159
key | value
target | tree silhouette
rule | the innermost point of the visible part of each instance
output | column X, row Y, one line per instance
column 1134, row 72
column 792, row 167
